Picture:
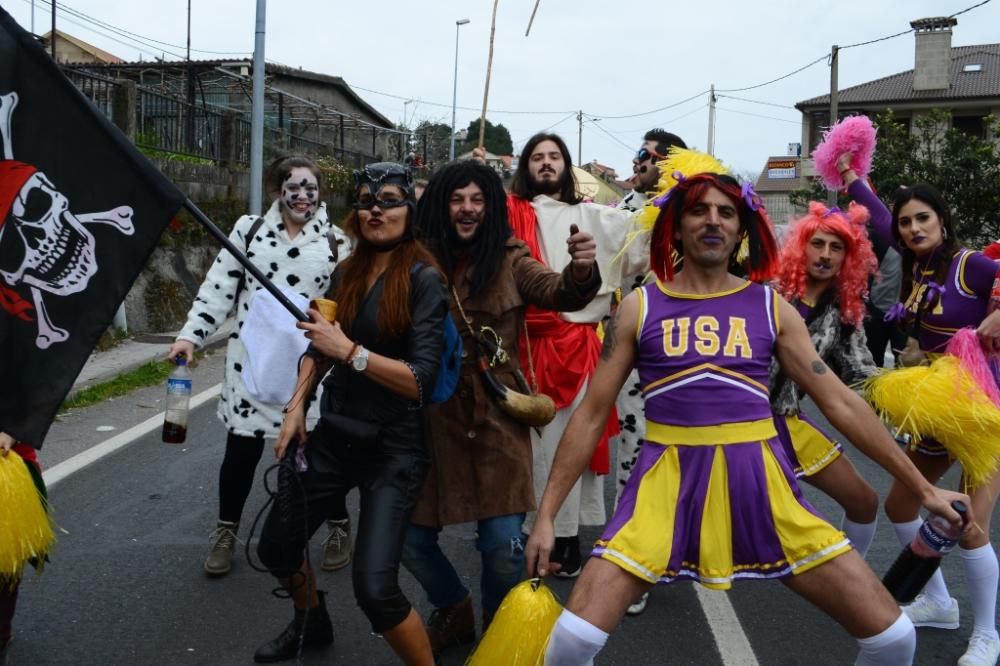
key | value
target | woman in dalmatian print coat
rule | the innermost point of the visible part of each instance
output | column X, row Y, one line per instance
column 294, row 245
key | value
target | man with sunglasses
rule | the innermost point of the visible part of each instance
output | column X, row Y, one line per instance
column 656, row 144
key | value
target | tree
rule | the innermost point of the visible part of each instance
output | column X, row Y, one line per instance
column 496, row 139
column 966, row 169
column 438, row 139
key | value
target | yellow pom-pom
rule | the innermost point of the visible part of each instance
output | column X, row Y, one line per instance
column 25, row 528
column 520, row 629
column 942, row 401
column 679, row 160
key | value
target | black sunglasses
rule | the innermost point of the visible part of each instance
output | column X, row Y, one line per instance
column 644, row 154
column 369, row 203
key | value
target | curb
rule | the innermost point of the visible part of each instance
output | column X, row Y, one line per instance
column 120, row 364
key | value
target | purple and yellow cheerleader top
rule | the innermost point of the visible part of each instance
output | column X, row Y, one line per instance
column 712, row 496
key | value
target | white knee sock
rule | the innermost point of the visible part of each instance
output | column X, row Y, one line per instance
column 893, row 647
column 574, row 642
column 860, row 534
column 935, row 588
column 982, row 574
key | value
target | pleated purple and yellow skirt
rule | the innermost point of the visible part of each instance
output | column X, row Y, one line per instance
column 717, row 504
column 807, row 446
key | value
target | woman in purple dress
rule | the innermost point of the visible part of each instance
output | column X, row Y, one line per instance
column 945, row 288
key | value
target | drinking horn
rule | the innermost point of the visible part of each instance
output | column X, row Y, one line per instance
column 535, row 410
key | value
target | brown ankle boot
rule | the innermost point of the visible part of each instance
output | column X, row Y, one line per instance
column 455, row 625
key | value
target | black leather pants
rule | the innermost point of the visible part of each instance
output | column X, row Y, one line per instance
column 389, row 480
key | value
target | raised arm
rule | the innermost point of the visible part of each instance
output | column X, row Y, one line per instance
column 851, row 415
column 576, row 447
column 881, row 220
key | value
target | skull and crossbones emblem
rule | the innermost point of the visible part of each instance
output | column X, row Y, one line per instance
column 43, row 244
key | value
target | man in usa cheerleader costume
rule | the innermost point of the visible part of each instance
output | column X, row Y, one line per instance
column 712, row 497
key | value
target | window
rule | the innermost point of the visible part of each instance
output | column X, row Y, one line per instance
column 977, row 67
column 970, row 126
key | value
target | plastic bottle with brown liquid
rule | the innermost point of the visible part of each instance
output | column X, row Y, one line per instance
column 178, row 402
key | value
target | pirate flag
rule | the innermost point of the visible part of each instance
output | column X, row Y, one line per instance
column 80, row 212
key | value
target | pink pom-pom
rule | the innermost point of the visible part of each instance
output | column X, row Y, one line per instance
column 965, row 346
column 855, row 135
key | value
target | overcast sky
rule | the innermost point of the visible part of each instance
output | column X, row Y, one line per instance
column 616, row 60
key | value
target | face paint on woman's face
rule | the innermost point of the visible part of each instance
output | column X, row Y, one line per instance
column 299, row 196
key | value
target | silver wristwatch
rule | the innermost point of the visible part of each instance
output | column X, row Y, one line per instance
column 360, row 360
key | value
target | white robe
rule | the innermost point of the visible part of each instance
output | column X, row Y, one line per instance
column 611, row 229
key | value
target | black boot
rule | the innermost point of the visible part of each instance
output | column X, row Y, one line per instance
column 314, row 630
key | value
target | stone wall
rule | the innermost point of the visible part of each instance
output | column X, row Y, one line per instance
column 159, row 299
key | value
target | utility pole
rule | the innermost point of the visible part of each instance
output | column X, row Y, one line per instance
column 257, row 113
column 52, row 41
column 32, row 16
column 189, row 127
column 831, row 195
column 579, row 140
column 711, row 120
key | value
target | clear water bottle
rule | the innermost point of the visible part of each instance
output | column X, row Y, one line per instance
column 178, row 401
column 922, row 557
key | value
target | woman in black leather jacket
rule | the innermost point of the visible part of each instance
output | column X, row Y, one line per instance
column 382, row 354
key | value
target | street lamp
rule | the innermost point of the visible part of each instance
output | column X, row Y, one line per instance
column 454, row 93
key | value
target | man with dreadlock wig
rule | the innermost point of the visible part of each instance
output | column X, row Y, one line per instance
column 713, row 497
column 825, row 264
column 481, row 456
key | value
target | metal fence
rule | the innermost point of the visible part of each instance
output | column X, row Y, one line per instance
column 171, row 126
column 98, row 89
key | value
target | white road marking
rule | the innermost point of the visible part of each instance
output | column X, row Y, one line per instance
column 57, row 473
column 734, row 646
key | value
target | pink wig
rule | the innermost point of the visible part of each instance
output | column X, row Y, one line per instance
column 851, row 283
column 855, row 135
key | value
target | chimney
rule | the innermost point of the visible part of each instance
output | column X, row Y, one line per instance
column 932, row 66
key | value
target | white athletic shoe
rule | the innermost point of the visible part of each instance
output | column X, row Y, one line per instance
column 925, row 612
column 639, row 606
column 984, row 648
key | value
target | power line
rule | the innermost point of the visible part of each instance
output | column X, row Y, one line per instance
column 464, row 108
column 758, row 115
column 780, row 78
column 648, row 113
column 757, row 101
column 148, row 41
column 613, row 137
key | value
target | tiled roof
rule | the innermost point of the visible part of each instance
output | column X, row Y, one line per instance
column 899, row 87
column 86, row 47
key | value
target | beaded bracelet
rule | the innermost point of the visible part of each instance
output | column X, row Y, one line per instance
column 420, row 388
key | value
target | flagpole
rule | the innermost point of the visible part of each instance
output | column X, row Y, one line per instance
column 489, row 70
column 257, row 114
column 248, row 265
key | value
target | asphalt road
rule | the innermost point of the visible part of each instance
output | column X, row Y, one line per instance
column 125, row 584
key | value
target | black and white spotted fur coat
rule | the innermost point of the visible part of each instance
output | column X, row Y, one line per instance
column 303, row 264
column 842, row 347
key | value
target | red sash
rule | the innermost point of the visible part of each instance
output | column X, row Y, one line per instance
column 564, row 353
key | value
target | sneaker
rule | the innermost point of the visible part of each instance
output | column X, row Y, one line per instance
column 455, row 625
column 639, row 606
column 984, row 648
column 925, row 612
column 337, row 546
column 221, row 543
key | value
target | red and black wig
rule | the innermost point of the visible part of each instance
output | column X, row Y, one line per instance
column 755, row 226
column 851, row 283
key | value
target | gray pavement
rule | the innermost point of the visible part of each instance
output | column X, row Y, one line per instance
column 125, row 585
